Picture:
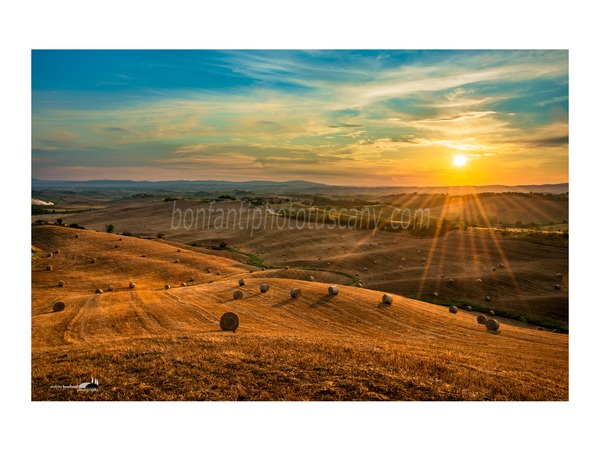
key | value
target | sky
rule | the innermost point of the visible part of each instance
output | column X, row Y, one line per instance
column 368, row 117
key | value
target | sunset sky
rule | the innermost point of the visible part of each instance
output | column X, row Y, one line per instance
column 338, row 117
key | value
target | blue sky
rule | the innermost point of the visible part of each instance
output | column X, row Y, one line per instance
column 339, row 117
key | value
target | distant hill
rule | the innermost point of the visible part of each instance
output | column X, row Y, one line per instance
column 283, row 187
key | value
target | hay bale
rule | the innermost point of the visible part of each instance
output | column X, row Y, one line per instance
column 453, row 309
column 359, row 284
column 286, row 268
column 387, row 299
column 57, row 251
column 143, row 255
column 451, row 281
column 229, row 322
column 469, row 308
column 481, row 319
column 491, row 312
column 178, row 250
column 237, row 294
column 99, row 291
column 501, row 265
column 176, row 261
column 557, row 286
column 49, row 255
column 479, row 280
column 61, row 283
column 333, row 290
column 110, row 288
column 192, row 279
column 116, row 245
column 559, row 275
column 264, row 288
column 435, row 294
column 442, row 276
column 58, row 306
column 493, row 269
column 400, row 268
column 184, row 284
column 131, row 285
column 241, row 282
column 76, row 236
column 209, row 270
column 251, row 271
column 488, row 298
column 311, row 278
column 492, row 325
column 93, row 261
column 120, row 239
column 218, row 272
column 295, row 293
column 167, row 286
column 49, row 268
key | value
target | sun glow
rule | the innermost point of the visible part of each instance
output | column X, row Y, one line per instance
column 460, row 160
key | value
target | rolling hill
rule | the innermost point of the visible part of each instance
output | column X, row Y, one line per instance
column 152, row 343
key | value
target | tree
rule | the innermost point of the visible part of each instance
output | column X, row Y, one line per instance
column 110, row 228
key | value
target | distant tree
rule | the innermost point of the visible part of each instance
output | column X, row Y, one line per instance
column 110, row 228
column 59, row 221
column 160, row 235
column 223, row 245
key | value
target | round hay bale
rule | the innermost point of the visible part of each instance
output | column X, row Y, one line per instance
column 311, row 278
column 120, row 239
column 286, row 268
column 93, row 260
column 110, row 288
column 329, row 263
column 435, row 294
column 559, row 275
column 218, row 272
column 481, row 319
column 453, row 309
column 479, row 280
column 176, row 261
column 241, row 282
column 333, row 290
column 209, row 270
column 116, row 245
column 237, row 294
column 359, row 284
column 49, row 268
column 403, row 258
column 143, row 255
column 99, row 291
column 488, row 298
column 58, row 306
column 229, row 322
column 167, row 286
column 76, row 236
column 451, row 281
column 469, row 308
column 442, row 276
column 491, row 312
column 493, row 269
column 501, row 265
column 49, row 255
column 184, row 284
column 387, row 299
column 264, row 288
column 178, row 250
column 295, row 293
column 131, row 285
column 57, row 251
column 423, row 259
column 492, row 325
column 61, row 283
column 557, row 286
column 263, row 269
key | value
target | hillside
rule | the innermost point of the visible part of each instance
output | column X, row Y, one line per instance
column 165, row 344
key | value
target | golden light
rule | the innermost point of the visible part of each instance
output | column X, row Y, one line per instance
column 460, row 160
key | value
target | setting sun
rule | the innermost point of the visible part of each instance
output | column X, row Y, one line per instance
column 460, row 160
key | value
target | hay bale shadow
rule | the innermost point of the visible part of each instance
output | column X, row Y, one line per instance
column 284, row 302
column 383, row 305
column 493, row 332
column 322, row 301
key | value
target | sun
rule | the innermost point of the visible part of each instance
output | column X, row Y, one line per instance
column 460, row 160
